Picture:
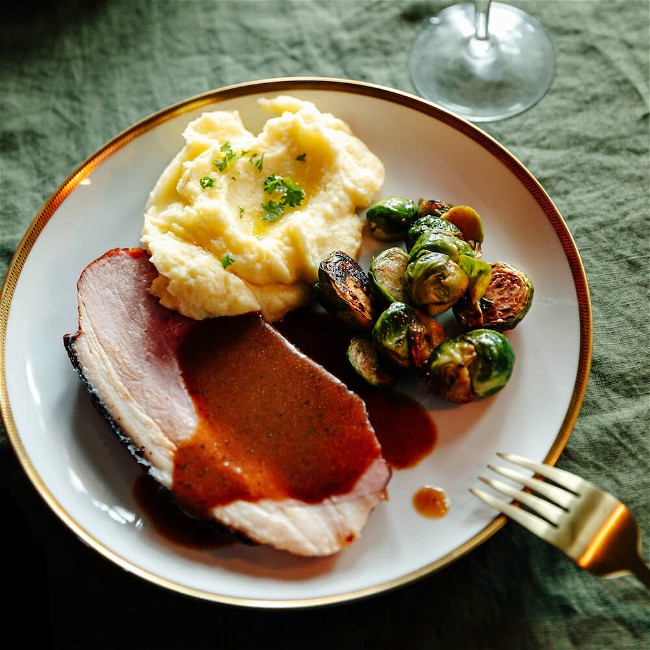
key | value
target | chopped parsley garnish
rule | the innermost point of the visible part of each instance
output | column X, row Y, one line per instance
column 227, row 260
column 272, row 211
column 229, row 156
column 241, row 211
column 206, row 182
column 289, row 192
column 256, row 160
column 302, row 157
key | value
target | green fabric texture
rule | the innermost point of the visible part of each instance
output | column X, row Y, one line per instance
column 74, row 74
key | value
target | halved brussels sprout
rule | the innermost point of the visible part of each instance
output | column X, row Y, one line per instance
column 504, row 303
column 425, row 335
column 364, row 359
column 434, row 207
column 345, row 291
column 390, row 218
column 424, row 224
column 387, row 274
column 390, row 335
column 433, row 282
column 468, row 220
column 437, row 241
column 508, row 297
column 476, row 364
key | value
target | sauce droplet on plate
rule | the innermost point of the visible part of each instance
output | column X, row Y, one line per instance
column 431, row 502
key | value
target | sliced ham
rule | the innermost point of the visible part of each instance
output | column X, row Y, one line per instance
column 234, row 421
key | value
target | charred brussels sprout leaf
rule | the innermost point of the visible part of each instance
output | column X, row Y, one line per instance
column 437, row 241
column 508, row 297
column 427, row 223
column 390, row 218
column 433, row 282
column 469, row 314
column 468, row 310
column 390, row 335
column 345, row 291
column 387, row 274
column 433, row 207
column 473, row 365
column 425, row 335
column 365, row 360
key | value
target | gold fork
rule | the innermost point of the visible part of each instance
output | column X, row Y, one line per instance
column 591, row 526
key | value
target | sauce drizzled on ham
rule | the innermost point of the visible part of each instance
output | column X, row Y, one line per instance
column 272, row 424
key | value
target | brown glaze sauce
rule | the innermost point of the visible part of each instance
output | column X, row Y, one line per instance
column 256, row 438
column 431, row 502
column 403, row 426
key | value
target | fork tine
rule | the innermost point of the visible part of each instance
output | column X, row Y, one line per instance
column 559, row 476
column 534, row 524
column 561, row 497
column 541, row 507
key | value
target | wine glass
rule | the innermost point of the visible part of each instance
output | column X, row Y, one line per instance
column 483, row 60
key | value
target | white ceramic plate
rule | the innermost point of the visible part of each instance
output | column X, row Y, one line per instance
column 87, row 477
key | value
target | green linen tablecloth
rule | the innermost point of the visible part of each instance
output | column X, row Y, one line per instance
column 76, row 73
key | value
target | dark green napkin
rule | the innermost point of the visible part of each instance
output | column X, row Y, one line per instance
column 74, row 74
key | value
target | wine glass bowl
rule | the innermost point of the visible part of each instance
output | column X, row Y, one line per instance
column 483, row 61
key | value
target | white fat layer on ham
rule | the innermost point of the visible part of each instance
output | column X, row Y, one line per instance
column 127, row 349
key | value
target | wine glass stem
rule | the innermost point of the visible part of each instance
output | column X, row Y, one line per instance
column 482, row 18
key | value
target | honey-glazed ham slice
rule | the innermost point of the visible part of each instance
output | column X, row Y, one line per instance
column 226, row 414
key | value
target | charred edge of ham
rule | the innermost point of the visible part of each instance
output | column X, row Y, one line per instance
column 136, row 452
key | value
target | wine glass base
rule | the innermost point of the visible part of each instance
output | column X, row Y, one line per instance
column 488, row 80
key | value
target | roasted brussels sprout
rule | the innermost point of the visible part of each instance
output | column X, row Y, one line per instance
column 476, row 364
column 433, row 282
column 434, row 207
column 344, row 290
column 438, row 241
column 387, row 274
column 425, row 335
column 468, row 220
column 390, row 335
column 508, row 297
column 364, row 359
column 390, row 218
column 424, row 224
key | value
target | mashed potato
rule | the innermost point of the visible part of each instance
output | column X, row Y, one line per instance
column 223, row 226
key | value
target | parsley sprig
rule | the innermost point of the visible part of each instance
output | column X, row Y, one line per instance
column 289, row 193
column 230, row 156
column 227, row 260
